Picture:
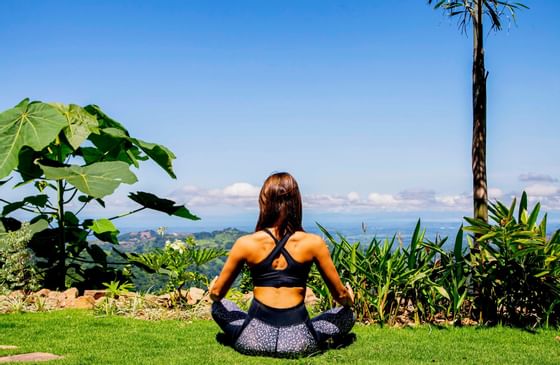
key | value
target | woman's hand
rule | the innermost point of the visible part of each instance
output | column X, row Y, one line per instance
column 210, row 287
column 350, row 291
column 350, row 303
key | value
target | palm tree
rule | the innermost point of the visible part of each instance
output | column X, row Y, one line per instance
column 472, row 12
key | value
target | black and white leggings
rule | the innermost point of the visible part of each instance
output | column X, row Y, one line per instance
column 277, row 332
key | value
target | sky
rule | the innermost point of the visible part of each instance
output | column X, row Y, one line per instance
column 366, row 103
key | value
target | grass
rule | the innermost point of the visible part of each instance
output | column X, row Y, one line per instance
column 83, row 338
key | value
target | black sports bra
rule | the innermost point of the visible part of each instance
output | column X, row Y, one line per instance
column 294, row 275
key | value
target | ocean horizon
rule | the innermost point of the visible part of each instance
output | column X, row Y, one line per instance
column 353, row 231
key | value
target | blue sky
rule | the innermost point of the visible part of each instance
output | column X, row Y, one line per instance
column 366, row 103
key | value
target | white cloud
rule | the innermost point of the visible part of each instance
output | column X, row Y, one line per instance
column 542, row 190
column 353, row 197
column 495, row 193
column 532, row 177
column 237, row 194
column 245, row 195
column 385, row 200
column 241, row 190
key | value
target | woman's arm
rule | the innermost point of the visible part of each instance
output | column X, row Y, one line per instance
column 328, row 271
column 236, row 258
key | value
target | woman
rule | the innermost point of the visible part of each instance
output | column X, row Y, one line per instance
column 279, row 255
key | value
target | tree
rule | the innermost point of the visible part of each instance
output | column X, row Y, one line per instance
column 73, row 156
column 472, row 12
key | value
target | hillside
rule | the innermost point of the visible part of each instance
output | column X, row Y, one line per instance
column 146, row 241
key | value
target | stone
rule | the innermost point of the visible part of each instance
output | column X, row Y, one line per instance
column 71, row 293
column 43, row 293
column 32, row 356
column 8, row 347
column 54, row 294
column 52, row 302
column 83, row 302
column 16, row 294
column 194, row 295
column 310, row 297
column 95, row 294
column 151, row 298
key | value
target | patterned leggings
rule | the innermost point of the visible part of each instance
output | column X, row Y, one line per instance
column 261, row 331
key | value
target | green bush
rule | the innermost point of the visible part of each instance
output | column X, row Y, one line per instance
column 515, row 267
column 180, row 262
column 509, row 273
column 17, row 267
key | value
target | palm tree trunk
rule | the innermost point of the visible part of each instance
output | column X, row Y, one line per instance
column 480, row 187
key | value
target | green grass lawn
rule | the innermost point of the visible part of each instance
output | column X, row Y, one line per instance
column 85, row 339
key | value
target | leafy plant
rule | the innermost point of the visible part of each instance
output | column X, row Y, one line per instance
column 109, row 305
column 115, row 288
column 73, row 155
column 179, row 261
column 388, row 281
column 17, row 267
column 517, row 267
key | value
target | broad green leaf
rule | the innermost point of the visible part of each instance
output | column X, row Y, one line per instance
column 39, row 226
column 9, row 224
column 27, row 124
column 151, row 201
column 79, row 123
column 104, row 120
column 91, row 154
column 10, row 207
column 97, row 180
column 37, row 200
column 97, row 254
column 109, row 236
column 103, row 225
column 27, row 167
column 115, row 132
column 160, row 154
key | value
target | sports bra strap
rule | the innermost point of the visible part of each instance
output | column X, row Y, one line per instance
column 279, row 245
column 271, row 235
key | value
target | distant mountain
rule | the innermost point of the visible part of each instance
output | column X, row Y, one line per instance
column 144, row 241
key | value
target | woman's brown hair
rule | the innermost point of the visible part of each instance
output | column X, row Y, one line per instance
column 280, row 204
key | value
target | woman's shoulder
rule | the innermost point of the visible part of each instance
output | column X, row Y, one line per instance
column 311, row 240
column 248, row 240
column 311, row 237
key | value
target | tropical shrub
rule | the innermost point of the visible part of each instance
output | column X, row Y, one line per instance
column 73, row 156
column 509, row 273
column 180, row 262
column 17, row 267
column 515, row 267
column 388, row 281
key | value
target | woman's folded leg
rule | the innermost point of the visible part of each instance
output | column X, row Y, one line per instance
column 229, row 317
column 333, row 323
